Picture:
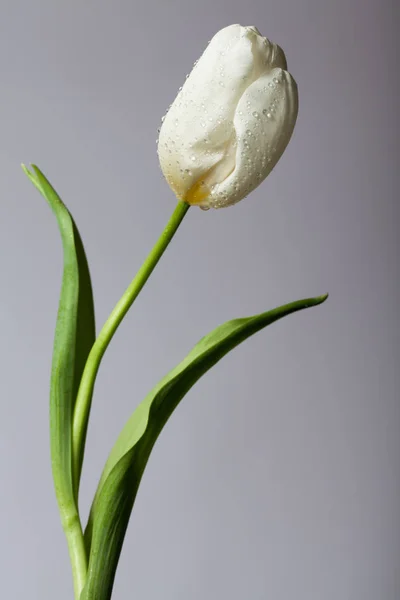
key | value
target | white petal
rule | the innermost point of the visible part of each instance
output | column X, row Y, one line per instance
column 264, row 121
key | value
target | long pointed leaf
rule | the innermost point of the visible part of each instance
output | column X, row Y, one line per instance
column 121, row 477
column 74, row 337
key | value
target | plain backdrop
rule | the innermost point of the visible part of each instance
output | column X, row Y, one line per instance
column 278, row 476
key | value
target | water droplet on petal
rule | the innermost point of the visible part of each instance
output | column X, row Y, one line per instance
column 205, row 207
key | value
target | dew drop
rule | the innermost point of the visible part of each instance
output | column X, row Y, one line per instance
column 248, row 132
column 205, row 207
column 255, row 114
column 193, row 158
column 276, row 80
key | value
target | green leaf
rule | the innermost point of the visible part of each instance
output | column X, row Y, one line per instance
column 121, row 477
column 74, row 337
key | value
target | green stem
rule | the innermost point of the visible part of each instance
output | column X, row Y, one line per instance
column 85, row 392
column 77, row 551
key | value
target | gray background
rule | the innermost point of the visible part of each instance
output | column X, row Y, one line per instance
column 278, row 477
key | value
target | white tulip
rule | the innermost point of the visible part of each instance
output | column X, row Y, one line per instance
column 231, row 120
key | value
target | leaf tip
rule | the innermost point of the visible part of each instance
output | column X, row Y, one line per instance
column 319, row 300
column 29, row 174
column 34, row 175
column 36, row 170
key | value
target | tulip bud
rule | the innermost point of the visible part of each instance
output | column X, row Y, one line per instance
column 231, row 120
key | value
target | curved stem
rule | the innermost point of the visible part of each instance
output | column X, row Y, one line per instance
column 85, row 392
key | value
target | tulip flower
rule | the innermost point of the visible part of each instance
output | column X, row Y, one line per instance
column 231, row 120
column 223, row 134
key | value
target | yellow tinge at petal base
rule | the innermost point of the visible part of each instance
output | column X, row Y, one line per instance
column 197, row 194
